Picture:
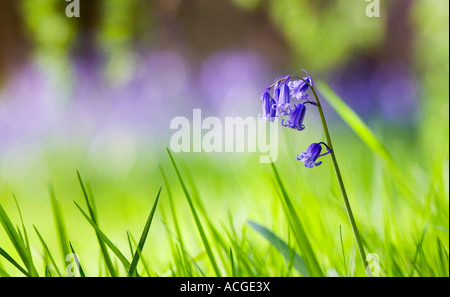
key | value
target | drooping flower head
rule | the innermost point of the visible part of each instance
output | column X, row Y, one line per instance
column 311, row 155
column 267, row 102
column 299, row 87
column 284, row 100
column 270, row 104
column 279, row 103
column 296, row 118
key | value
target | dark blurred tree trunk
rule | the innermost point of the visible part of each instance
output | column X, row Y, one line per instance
column 12, row 37
column 85, row 52
column 87, row 26
column 202, row 27
column 385, row 70
column 399, row 38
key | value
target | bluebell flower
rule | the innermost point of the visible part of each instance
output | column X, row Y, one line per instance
column 279, row 103
column 276, row 93
column 311, row 155
column 284, row 100
column 267, row 102
column 296, row 118
column 299, row 87
column 273, row 111
column 279, row 81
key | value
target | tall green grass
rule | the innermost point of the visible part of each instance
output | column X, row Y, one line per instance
column 231, row 216
column 19, row 240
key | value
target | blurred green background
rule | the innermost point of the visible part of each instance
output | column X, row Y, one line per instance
column 97, row 94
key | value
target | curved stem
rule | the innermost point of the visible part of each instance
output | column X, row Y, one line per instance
column 341, row 184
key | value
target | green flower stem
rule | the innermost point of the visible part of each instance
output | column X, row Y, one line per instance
column 341, row 184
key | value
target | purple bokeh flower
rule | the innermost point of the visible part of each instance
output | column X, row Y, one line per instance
column 382, row 83
column 226, row 80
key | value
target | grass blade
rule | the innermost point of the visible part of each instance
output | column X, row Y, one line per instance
column 130, row 245
column 77, row 261
column 140, row 246
column 184, row 253
column 343, row 251
column 354, row 121
column 25, row 239
column 133, row 242
column 440, row 228
column 281, row 246
column 196, row 219
column 299, row 232
column 172, row 208
column 3, row 272
column 195, row 197
column 47, row 272
column 47, row 251
column 16, row 240
column 13, row 262
column 364, row 133
column 60, row 225
column 93, row 216
column 105, row 239
column 418, row 249
column 233, row 268
column 183, row 257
